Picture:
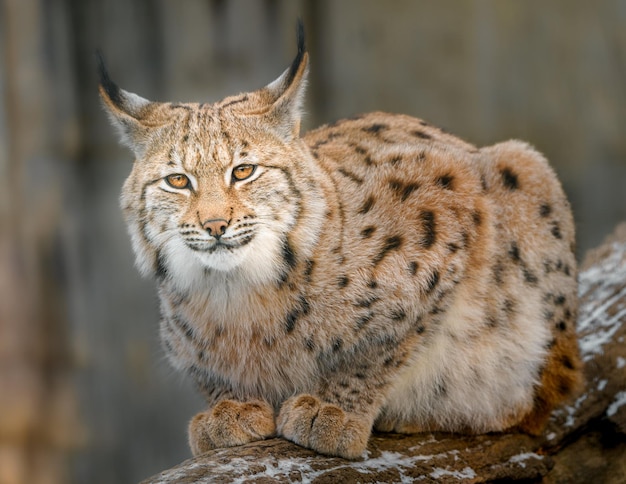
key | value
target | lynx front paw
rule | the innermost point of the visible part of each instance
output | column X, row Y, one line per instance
column 231, row 423
column 323, row 427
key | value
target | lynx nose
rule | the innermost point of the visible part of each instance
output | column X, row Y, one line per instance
column 215, row 227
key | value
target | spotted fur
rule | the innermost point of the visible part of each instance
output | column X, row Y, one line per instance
column 376, row 272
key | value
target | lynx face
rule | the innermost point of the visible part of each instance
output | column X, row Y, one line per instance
column 215, row 182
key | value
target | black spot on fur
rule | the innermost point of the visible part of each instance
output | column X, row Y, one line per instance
column 289, row 255
column 184, row 326
column 446, row 181
column 559, row 300
column 420, row 134
column 168, row 346
column 567, row 362
column 428, row 224
column 514, row 252
column 529, row 276
column 372, row 284
column 366, row 302
column 545, row 210
column 509, row 179
column 413, row 267
column 337, row 344
column 160, row 269
column 320, row 143
column 302, row 309
column 509, row 306
column 309, row 344
column 477, row 218
column 565, row 386
column 394, row 160
column 363, row 320
column 343, row 281
column 396, row 186
column 391, row 243
column 556, row 230
column 308, row 269
column 483, row 183
column 440, row 389
column 408, row 190
column 561, row 325
column 432, row 282
column 452, row 247
column 352, row 176
column 241, row 99
column 367, row 232
column 398, row 314
column 375, row 128
column 360, row 150
column 367, row 205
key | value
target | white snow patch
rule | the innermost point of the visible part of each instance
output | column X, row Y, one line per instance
column 602, row 385
column 299, row 468
column 466, row 473
column 621, row 362
column 620, row 399
column 522, row 458
column 551, row 436
column 571, row 410
column 596, row 326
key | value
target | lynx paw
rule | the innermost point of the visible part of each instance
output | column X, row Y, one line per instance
column 323, row 427
column 231, row 423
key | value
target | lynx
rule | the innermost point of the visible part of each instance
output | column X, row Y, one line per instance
column 375, row 273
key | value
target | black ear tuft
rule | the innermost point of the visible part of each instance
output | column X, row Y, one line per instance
column 301, row 51
column 111, row 89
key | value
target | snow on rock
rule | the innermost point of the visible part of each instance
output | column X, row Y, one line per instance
column 620, row 399
column 602, row 285
column 522, row 458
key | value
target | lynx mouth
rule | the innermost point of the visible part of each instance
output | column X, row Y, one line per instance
column 219, row 245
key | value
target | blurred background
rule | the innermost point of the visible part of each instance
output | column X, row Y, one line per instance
column 85, row 392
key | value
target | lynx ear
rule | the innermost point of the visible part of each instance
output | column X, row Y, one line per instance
column 283, row 98
column 128, row 112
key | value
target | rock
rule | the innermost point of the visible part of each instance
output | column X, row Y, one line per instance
column 585, row 441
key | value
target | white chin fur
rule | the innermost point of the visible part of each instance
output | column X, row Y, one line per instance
column 254, row 263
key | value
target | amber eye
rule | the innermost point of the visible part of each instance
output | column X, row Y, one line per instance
column 242, row 172
column 177, row 181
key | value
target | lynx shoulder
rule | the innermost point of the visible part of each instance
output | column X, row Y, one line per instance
column 375, row 272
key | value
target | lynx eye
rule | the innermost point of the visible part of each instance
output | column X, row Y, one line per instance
column 177, row 180
column 242, row 172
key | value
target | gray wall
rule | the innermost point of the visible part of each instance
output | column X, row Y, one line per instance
column 91, row 396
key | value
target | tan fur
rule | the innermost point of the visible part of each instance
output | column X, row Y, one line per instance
column 376, row 272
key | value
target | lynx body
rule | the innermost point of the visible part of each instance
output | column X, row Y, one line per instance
column 376, row 272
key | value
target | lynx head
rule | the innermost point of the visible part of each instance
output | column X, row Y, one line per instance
column 218, row 188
